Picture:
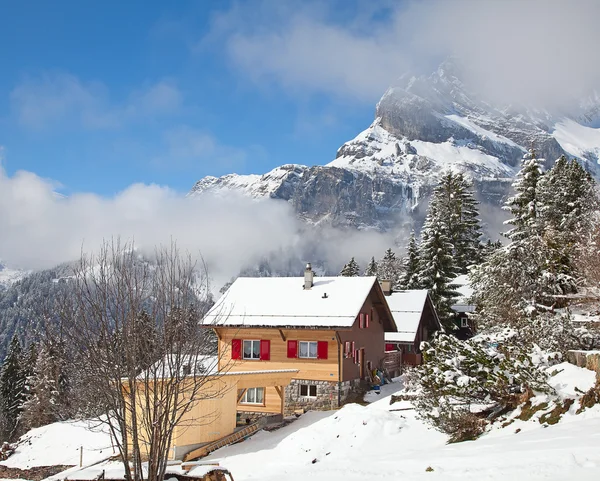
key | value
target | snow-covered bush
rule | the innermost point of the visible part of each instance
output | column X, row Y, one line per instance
column 462, row 383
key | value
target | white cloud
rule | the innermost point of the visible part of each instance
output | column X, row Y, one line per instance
column 40, row 229
column 58, row 98
column 533, row 51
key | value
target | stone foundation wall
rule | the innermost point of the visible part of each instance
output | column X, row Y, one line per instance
column 588, row 359
column 330, row 395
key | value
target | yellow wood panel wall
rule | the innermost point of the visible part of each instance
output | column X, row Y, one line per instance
column 272, row 403
column 310, row 369
column 209, row 419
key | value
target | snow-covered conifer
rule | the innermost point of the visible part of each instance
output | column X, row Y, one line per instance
column 12, row 384
column 436, row 268
column 372, row 268
column 411, row 265
column 42, row 402
column 389, row 267
column 351, row 269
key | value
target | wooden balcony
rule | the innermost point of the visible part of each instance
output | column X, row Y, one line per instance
column 392, row 363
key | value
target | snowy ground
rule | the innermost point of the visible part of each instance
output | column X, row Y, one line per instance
column 376, row 442
column 60, row 444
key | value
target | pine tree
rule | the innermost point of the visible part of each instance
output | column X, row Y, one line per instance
column 454, row 201
column 567, row 197
column 487, row 249
column 372, row 269
column 436, row 269
column 411, row 265
column 42, row 402
column 351, row 269
column 12, row 384
column 389, row 267
column 524, row 206
column 523, row 281
column 465, row 234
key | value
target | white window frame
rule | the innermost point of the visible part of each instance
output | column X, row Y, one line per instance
column 254, row 390
column 308, row 389
column 251, row 350
column 308, row 349
column 464, row 322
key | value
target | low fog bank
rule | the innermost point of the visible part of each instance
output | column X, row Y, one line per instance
column 40, row 229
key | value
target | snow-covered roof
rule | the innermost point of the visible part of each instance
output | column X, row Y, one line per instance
column 407, row 309
column 463, row 287
column 283, row 302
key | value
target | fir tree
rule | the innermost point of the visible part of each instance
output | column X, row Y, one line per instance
column 410, row 263
column 524, row 206
column 567, row 198
column 389, row 267
column 42, row 402
column 487, row 249
column 372, row 269
column 522, row 282
column 351, row 269
column 465, row 234
column 12, row 384
column 454, row 201
column 436, row 269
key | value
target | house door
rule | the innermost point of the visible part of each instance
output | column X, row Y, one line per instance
column 361, row 360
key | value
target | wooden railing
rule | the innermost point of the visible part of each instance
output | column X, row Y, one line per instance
column 392, row 362
column 232, row 438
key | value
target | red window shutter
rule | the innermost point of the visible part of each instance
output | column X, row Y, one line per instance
column 361, row 320
column 292, row 349
column 265, row 350
column 366, row 320
column 322, row 350
column 236, row 349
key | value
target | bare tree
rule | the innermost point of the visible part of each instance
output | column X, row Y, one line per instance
column 133, row 322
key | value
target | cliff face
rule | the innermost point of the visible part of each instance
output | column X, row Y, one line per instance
column 424, row 125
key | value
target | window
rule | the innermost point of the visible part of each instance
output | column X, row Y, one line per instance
column 251, row 349
column 308, row 390
column 347, row 352
column 464, row 322
column 308, row 349
column 254, row 395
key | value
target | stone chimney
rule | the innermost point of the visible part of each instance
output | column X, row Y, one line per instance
column 386, row 287
column 308, row 276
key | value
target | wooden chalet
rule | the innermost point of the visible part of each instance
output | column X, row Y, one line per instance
column 415, row 319
column 329, row 329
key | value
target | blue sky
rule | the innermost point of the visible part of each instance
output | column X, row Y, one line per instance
column 100, row 96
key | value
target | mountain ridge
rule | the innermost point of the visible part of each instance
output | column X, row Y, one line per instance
column 423, row 126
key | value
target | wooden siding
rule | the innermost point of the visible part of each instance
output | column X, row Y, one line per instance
column 272, row 403
column 310, row 369
column 336, row 367
column 370, row 339
column 209, row 419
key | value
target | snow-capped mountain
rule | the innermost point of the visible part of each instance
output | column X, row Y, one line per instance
column 9, row 276
column 423, row 126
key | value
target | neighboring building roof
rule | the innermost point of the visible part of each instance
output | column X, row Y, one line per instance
column 407, row 308
column 463, row 308
column 463, row 287
column 283, row 302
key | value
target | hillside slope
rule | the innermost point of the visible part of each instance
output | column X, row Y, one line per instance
column 388, row 442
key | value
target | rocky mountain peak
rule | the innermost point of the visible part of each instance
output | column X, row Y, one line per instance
column 424, row 125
